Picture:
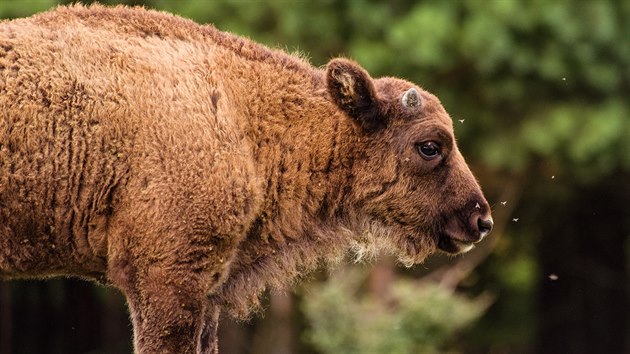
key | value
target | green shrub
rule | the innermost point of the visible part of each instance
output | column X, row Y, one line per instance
column 412, row 317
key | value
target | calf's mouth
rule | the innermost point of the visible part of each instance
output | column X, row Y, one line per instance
column 452, row 245
column 460, row 233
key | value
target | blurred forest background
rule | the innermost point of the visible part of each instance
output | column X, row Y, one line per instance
column 539, row 92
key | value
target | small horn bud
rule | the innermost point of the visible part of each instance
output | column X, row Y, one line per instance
column 411, row 98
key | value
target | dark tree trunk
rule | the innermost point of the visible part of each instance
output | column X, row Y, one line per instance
column 274, row 333
column 80, row 317
column 584, row 297
column 6, row 317
column 233, row 336
column 62, row 316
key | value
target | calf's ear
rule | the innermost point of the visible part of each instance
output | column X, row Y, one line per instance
column 352, row 90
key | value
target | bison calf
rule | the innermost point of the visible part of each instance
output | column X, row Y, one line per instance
column 191, row 168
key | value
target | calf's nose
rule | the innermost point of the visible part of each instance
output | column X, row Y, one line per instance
column 484, row 225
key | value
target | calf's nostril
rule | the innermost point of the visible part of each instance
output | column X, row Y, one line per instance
column 485, row 226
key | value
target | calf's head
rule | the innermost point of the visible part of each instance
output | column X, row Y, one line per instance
column 409, row 177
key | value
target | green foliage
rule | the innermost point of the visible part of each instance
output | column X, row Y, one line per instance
column 593, row 140
column 411, row 318
column 17, row 8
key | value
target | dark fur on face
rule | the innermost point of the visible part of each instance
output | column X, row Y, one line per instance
column 425, row 203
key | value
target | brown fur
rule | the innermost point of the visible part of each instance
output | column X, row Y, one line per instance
column 192, row 169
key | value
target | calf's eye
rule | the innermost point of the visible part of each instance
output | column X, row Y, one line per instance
column 429, row 150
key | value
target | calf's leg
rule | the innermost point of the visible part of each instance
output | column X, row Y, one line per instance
column 171, row 315
column 208, row 341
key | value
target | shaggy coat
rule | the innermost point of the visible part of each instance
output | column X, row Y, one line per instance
column 192, row 169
